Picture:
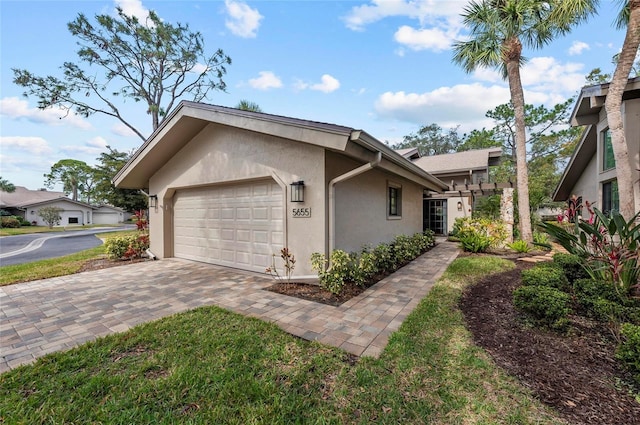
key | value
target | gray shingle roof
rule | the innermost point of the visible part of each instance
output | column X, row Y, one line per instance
column 23, row 196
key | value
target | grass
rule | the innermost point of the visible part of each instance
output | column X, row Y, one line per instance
column 212, row 366
column 54, row 267
column 27, row 230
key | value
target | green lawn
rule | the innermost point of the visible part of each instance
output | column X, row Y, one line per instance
column 26, row 230
column 210, row 366
column 54, row 267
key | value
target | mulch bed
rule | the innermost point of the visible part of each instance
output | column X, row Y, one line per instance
column 315, row 293
column 576, row 374
column 105, row 263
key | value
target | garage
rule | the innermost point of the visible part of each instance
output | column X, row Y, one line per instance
column 239, row 225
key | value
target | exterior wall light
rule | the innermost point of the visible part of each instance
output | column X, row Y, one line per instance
column 297, row 191
column 153, row 201
column 459, row 206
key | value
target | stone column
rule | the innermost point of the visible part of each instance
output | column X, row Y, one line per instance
column 506, row 212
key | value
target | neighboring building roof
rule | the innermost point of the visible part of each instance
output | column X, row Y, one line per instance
column 23, row 196
column 59, row 199
column 108, row 207
column 410, row 153
column 189, row 118
column 587, row 112
column 591, row 101
column 477, row 159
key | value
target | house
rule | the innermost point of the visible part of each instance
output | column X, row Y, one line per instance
column 591, row 172
column 26, row 204
column 233, row 187
column 465, row 173
column 108, row 214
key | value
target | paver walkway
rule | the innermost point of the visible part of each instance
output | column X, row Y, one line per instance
column 55, row 314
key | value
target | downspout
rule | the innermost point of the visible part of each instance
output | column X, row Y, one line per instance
column 332, row 195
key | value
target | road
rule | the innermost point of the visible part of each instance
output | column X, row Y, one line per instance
column 22, row 249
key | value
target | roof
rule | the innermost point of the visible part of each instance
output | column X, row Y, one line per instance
column 587, row 112
column 477, row 159
column 23, row 196
column 409, row 153
column 189, row 118
column 591, row 101
column 59, row 199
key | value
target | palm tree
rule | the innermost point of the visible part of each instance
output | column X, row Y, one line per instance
column 629, row 17
column 246, row 105
column 499, row 28
column 6, row 186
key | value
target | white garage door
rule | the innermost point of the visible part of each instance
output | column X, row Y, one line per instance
column 238, row 225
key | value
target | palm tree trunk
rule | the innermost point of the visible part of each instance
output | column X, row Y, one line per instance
column 613, row 106
column 522, row 173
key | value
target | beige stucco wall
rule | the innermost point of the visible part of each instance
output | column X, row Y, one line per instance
column 361, row 206
column 68, row 210
column 587, row 185
column 222, row 154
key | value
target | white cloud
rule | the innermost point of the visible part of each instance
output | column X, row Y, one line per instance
column 424, row 10
column 267, row 80
column 199, row 68
column 32, row 145
column 243, row 21
column 424, row 39
column 577, row 47
column 466, row 103
column 94, row 147
column 16, row 108
column 547, row 74
column 328, row 84
column 133, row 8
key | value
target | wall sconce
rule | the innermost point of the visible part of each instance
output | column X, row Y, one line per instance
column 459, row 206
column 297, row 191
column 153, row 201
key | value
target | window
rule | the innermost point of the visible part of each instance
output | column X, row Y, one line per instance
column 610, row 197
column 608, row 160
column 73, row 220
column 394, row 201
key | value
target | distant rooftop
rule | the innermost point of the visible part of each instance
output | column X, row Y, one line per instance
column 476, row 159
column 23, row 196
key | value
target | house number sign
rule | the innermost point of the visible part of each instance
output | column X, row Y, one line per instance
column 301, row 212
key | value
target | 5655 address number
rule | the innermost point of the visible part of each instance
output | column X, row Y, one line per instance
column 301, row 212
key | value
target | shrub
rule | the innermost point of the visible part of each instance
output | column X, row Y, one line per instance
column 628, row 351
column 610, row 247
column 50, row 215
column 23, row 221
column 571, row 265
column 127, row 247
column 541, row 239
column 474, row 242
column 288, row 264
column 403, row 250
column 600, row 301
column 545, row 275
column 479, row 234
column 383, row 257
column 335, row 278
column 520, row 246
column 9, row 222
column 548, row 306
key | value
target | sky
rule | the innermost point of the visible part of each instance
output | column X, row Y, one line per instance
column 383, row 66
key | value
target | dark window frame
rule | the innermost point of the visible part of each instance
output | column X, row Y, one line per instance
column 394, row 201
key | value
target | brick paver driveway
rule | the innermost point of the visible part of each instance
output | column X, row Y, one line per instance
column 49, row 315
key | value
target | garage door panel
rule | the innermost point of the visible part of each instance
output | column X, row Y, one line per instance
column 239, row 226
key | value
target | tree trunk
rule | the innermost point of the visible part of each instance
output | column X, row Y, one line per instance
column 522, row 173
column 613, row 106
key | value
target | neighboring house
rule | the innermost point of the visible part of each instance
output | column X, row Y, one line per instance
column 107, row 214
column 13, row 202
column 26, row 204
column 73, row 213
column 591, row 173
column 224, row 187
column 467, row 175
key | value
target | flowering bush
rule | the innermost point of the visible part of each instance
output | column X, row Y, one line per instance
column 480, row 234
column 609, row 247
column 127, row 247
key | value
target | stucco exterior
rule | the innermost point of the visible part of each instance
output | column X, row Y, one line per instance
column 586, row 174
column 72, row 214
column 203, row 152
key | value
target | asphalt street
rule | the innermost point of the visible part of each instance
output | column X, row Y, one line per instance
column 39, row 246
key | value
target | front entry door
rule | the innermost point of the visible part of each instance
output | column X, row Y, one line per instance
column 435, row 216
